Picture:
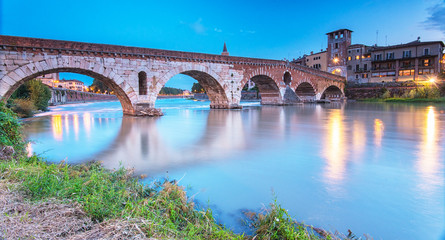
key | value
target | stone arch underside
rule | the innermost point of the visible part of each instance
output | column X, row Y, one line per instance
column 306, row 92
column 206, row 78
column 268, row 88
column 123, row 97
column 332, row 93
column 214, row 90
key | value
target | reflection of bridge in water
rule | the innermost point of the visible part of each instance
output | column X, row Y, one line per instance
column 144, row 144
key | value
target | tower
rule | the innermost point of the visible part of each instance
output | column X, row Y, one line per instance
column 224, row 52
column 337, row 53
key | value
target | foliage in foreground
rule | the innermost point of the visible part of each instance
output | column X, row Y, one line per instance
column 10, row 129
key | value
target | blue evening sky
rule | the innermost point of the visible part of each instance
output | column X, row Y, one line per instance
column 263, row 29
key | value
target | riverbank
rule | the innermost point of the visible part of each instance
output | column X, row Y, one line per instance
column 404, row 100
column 87, row 201
column 44, row 200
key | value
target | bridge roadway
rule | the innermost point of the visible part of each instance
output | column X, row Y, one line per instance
column 136, row 75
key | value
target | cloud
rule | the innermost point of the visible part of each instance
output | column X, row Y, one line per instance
column 217, row 30
column 247, row 31
column 436, row 20
column 198, row 27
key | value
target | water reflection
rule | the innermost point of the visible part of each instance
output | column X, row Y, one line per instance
column 57, row 127
column 334, row 148
column 429, row 152
column 142, row 144
column 378, row 132
column 358, row 139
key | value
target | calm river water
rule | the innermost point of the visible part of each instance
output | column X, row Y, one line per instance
column 372, row 168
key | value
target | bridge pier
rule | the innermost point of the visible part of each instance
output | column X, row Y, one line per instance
column 145, row 109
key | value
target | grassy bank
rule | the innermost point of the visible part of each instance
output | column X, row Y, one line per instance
column 91, row 200
column 407, row 100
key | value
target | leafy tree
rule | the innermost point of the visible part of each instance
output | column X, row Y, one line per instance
column 35, row 91
column 98, row 85
column 197, row 88
column 170, row 91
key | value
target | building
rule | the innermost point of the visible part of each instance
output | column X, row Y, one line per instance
column 72, row 84
column 337, row 52
column 49, row 79
column 334, row 59
column 359, row 63
column 317, row 60
column 413, row 61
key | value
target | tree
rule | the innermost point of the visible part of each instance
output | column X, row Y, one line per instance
column 35, row 91
column 98, row 85
column 170, row 91
column 197, row 88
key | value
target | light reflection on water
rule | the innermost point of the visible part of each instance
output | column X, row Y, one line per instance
column 371, row 168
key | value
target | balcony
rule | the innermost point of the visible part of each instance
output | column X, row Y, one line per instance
column 383, row 68
column 360, row 70
column 407, row 66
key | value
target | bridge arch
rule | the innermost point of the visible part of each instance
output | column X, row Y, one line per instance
column 332, row 92
column 306, row 92
column 267, row 85
column 208, row 79
column 14, row 78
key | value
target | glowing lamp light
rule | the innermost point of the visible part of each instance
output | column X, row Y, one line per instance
column 336, row 60
column 432, row 80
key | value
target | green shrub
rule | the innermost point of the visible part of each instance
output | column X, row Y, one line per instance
column 276, row 224
column 386, row 94
column 23, row 107
column 10, row 129
column 36, row 91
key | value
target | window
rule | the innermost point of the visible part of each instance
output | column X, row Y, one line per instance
column 336, row 55
column 426, row 62
column 364, row 75
column 389, row 74
column 425, row 71
column 357, row 57
column 336, row 36
column 407, row 54
column 378, row 57
column 349, row 58
column 390, row 66
column 336, row 45
column 426, row 51
column 357, row 68
column 365, row 67
column 406, row 64
column 390, row 55
column 349, row 51
column 356, row 76
column 349, row 67
column 358, row 50
column 142, row 83
column 341, row 35
column 406, row 72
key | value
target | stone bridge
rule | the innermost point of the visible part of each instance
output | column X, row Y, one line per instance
column 136, row 75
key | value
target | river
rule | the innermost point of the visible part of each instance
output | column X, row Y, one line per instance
column 374, row 168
